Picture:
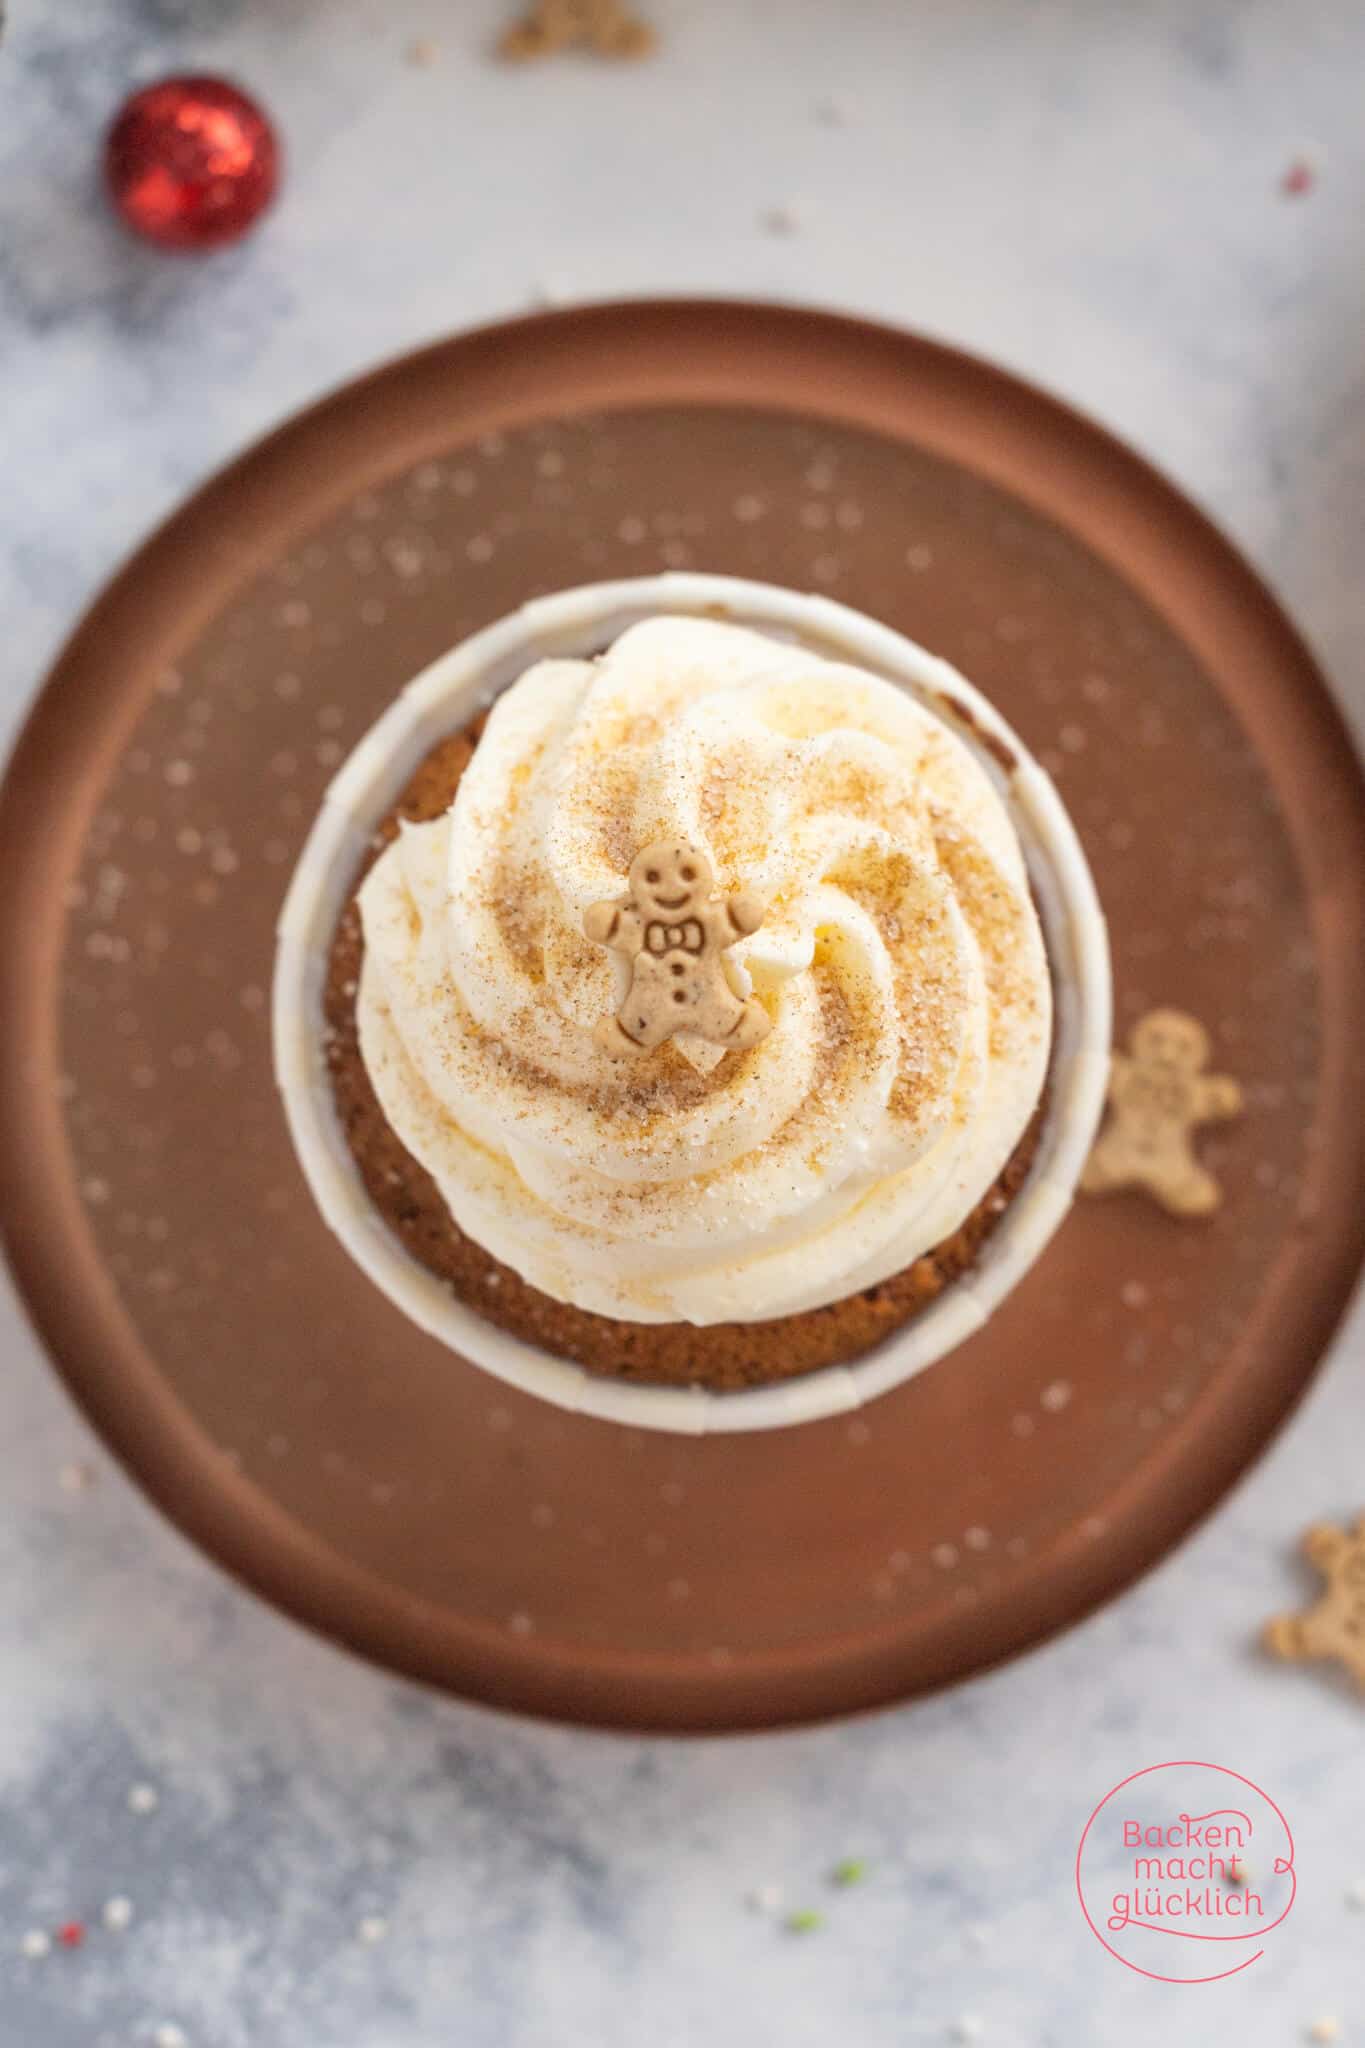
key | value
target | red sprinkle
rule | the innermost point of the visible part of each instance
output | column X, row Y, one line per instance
column 1298, row 179
column 72, row 1935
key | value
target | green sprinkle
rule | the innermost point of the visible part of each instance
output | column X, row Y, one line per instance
column 850, row 1870
column 804, row 1920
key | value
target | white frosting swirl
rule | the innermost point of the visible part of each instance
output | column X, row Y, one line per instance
column 901, row 960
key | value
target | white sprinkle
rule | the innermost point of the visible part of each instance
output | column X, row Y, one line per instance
column 373, row 1929
column 944, row 1556
column 1133, row 1294
column 76, row 1477
column 520, row 1624
column 766, row 1898
column 117, row 1914
column 747, row 509
column 169, row 2035
column 35, row 1944
column 143, row 1799
column 1055, row 1397
column 919, row 558
column 977, row 1538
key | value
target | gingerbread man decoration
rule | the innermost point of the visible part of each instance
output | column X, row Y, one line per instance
column 1158, row 1094
column 605, row 25
column 672, row 931
column 1335, row 1626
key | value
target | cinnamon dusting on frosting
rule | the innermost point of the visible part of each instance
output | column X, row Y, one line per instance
column 899, row 962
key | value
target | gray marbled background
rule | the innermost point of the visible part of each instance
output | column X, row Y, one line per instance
column 1087, row 190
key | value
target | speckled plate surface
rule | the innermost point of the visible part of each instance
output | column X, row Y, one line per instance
column 285, row 1415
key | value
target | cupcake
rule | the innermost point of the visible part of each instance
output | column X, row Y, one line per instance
column 692, row 1004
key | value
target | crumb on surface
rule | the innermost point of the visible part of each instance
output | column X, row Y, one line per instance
column 778, row 220
column 833, row 110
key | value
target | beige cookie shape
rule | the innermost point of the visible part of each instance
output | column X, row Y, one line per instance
column 1335, row 1626
column 672, row 931
column 605, row 26
column 1158, row 1095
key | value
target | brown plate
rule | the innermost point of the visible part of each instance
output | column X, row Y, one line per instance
column 294, row 1423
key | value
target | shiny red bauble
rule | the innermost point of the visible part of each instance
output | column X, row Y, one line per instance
column 191, row 163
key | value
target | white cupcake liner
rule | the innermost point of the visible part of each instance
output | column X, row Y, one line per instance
column 441, row 700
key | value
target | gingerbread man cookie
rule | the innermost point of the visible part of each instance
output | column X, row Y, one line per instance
column 1335, row 1626
column 672, row 932
column 1157, row 1095
column 605, row 25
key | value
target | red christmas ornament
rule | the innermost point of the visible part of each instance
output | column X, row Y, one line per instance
column 72, row 1934
column 191, row 163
